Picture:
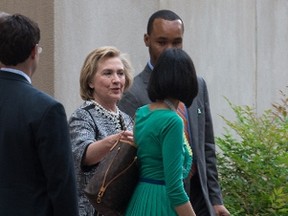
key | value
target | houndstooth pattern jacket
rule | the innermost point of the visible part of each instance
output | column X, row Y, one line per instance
column 87, row 124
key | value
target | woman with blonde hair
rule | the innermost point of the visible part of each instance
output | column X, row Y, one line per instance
column 98, row 123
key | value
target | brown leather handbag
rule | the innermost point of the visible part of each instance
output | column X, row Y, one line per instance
column 114, row 180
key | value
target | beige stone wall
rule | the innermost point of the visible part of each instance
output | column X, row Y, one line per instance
column 240, row 47
column 42, row 12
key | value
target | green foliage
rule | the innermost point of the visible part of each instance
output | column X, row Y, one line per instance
column 253, row 161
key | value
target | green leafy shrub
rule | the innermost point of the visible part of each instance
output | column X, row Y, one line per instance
column 253, row 161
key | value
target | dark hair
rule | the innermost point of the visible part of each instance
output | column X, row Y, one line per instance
column 162, row 14
column 18, row 36
column 173, row 76
column 3, row 15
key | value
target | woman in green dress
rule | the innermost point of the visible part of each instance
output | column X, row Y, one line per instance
column 164, row 154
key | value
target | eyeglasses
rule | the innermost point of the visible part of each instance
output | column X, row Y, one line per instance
column 39, row 49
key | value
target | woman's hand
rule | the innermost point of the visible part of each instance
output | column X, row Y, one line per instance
column 97, row 150
column 111, row 140
column 127, row 136
column 185, row 209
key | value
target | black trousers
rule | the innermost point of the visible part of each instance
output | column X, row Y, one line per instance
column 197, row 198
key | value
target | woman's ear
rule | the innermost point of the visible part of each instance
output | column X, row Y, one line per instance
column 91, row 85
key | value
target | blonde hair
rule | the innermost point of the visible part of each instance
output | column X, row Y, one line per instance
column 90, row 67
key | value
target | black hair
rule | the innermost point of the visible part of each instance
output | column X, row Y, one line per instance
column 162, row 14
column 18, row 36
column 174, row 76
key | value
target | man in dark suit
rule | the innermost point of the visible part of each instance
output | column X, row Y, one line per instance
column 164, row 30
column 37, row 172
column 3, row 15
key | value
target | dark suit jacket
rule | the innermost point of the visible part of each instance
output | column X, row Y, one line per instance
column 37, row 173
column 201, row 133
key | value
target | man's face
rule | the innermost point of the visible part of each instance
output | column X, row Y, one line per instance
column 165, row 34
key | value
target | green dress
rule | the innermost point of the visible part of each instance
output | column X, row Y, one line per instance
column 164, row 160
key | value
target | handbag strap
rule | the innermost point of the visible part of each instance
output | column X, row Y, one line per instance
column 121, row 119
column 106, row 184
column 87, row 108
column 123, row 127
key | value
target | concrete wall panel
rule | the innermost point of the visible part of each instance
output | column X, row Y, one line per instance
column 82, row 26
column 239, row 46
column 42, row 12
column 272, row 51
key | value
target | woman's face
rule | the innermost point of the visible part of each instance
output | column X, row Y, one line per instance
column 108, row 81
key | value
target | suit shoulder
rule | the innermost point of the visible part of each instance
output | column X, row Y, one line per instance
column 140, row 77
column 139, row 85
column 200, row 80
column 201, row 84
column 42, row 99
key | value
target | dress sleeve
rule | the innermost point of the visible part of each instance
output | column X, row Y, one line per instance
column 172, row 151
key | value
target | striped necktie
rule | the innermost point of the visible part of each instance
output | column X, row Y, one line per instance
column 182, row 112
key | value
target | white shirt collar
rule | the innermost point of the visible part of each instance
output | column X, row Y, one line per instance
column 15, row 71
column 150, row 65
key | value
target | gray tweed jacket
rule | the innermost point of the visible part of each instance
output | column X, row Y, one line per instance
column 86, row 125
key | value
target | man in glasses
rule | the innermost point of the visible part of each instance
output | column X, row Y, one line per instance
column 37, row 174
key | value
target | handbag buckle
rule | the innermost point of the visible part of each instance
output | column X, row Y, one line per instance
column 100, row 194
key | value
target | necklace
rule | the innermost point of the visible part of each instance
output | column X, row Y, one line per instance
column 169, row 104
column 111, row 113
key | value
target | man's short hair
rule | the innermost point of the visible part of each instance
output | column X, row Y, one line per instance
column 18, row 36
column 174, row 76
column 162, row 14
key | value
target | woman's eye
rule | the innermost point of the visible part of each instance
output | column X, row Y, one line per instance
column 107, row 73
column 120, row 73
